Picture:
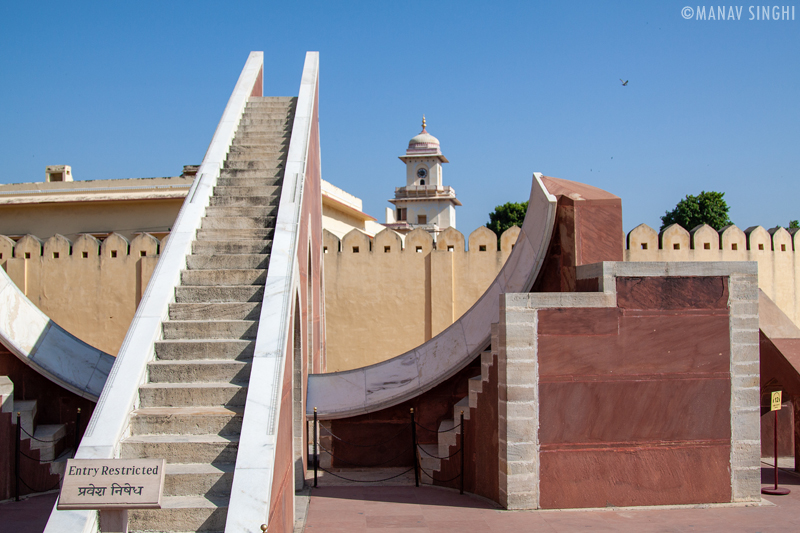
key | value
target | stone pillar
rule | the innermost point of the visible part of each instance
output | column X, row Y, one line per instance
column 745, row 390
column 518, row 410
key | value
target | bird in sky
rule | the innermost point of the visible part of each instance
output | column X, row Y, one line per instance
column 624, row 83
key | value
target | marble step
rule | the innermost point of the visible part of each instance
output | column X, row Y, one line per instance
column 264, row 128
column 243, row 293
column 251, row 234
column 260, row 138
column 210, row 329
column 210, row 449
column 217, row 277
column 198, row 479
column 181, row 513
column 262, row 173
column 199, row 371
column 49, row 440
column 262, row 190
column 265, row 119
column 193, row 420
column 431, row 464
column 244, row 201
column 475, row 388
column 255, row 164
column 180, row 350
column 260, row 222
column 216, row 311
column 211, row 247
column 277, row 153
column 245, row 261
column 191, row 394
column 461, row 405
column 245, row 182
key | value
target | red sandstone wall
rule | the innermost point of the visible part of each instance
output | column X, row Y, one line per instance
column 635, row 400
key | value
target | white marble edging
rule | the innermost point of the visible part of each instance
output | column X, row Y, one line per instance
column 46, row 347
column 110, row 420
column 255, row 460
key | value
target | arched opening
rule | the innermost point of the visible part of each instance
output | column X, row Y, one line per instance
column 422, row 182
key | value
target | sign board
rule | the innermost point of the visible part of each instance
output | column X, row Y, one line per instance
column 776, row 401
column 112, row 484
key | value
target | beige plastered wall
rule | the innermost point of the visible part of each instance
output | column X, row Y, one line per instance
column 89, row 288
column 383, row 297
column 775, row 250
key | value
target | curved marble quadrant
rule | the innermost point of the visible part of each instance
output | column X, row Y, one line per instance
column 371, row 388
column 46, row 347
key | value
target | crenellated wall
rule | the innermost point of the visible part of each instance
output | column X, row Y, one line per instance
column 384, row 298
column 88, row 287
column 777, row 252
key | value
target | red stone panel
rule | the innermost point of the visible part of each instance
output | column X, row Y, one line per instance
column 671, row 293
column 623, row 476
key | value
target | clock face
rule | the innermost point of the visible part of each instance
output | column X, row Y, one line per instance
column 422, row 172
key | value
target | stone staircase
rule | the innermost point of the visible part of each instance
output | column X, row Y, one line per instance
column 449, row 432
column 191, row 407
column 48, row 444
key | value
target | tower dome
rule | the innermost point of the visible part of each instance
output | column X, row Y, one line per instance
column 423, row 143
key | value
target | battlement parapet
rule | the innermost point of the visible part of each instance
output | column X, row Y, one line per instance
column 420, row 241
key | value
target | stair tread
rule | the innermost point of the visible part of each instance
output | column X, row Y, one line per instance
column 192, row 502
column 198, row 468
column 169, row 437
column 193, row 410
column 196, row 385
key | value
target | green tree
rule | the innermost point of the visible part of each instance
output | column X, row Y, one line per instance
column 705, row 208
column 794, row 224
column 507, row 215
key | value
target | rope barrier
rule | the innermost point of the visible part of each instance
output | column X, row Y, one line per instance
column 366, row 445
column 34, row 438
column 324, row 449
column 439, row 480
column 37, row 460
column 435, row 457
column 367, row 481
column 54, row 487
column 439, row 431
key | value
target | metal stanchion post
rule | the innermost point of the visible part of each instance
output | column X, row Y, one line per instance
column 77, row 429
column 414, row 447
column 16, row 457
column 316, row 437
column 462, row 452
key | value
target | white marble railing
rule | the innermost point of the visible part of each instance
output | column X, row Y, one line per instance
column 111, row 418
column 255, row 461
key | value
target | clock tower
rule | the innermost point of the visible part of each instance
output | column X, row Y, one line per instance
column 424, row 202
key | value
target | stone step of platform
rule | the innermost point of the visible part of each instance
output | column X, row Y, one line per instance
column 184, row 350
column 181, row 513
column 202, row 262
column 252, row 234
column 428, row 460
column 278, row 129
column 193, row 420
column 265, row 190
column 224, row 277
column 255, row 164
column 260, row 222
column 191, row 394
column 210, row 247
column 216, row 311
column 210, row 329
column 260, row 139
column 244, row 201
column 260, row 153
column 202, row 371
column 243, row 293
column 210, row 449
column 262, row 173
column 209, row 481
column 244, row 182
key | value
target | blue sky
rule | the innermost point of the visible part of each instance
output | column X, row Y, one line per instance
column 135, row 89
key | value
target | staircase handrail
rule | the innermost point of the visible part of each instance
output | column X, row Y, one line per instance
column 255, row 460
column 111, row 418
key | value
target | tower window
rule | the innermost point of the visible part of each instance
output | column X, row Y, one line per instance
column 401, row 213
column 422, row 219
column 422, row 182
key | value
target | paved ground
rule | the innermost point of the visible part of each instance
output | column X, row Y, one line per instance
column 357, row 509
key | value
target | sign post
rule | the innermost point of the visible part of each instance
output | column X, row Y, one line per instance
column 775, row 405
column 112, row 486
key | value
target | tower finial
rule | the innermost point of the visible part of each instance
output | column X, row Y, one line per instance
column 423, row 122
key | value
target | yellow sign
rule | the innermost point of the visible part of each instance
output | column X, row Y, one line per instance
column 776, row 401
